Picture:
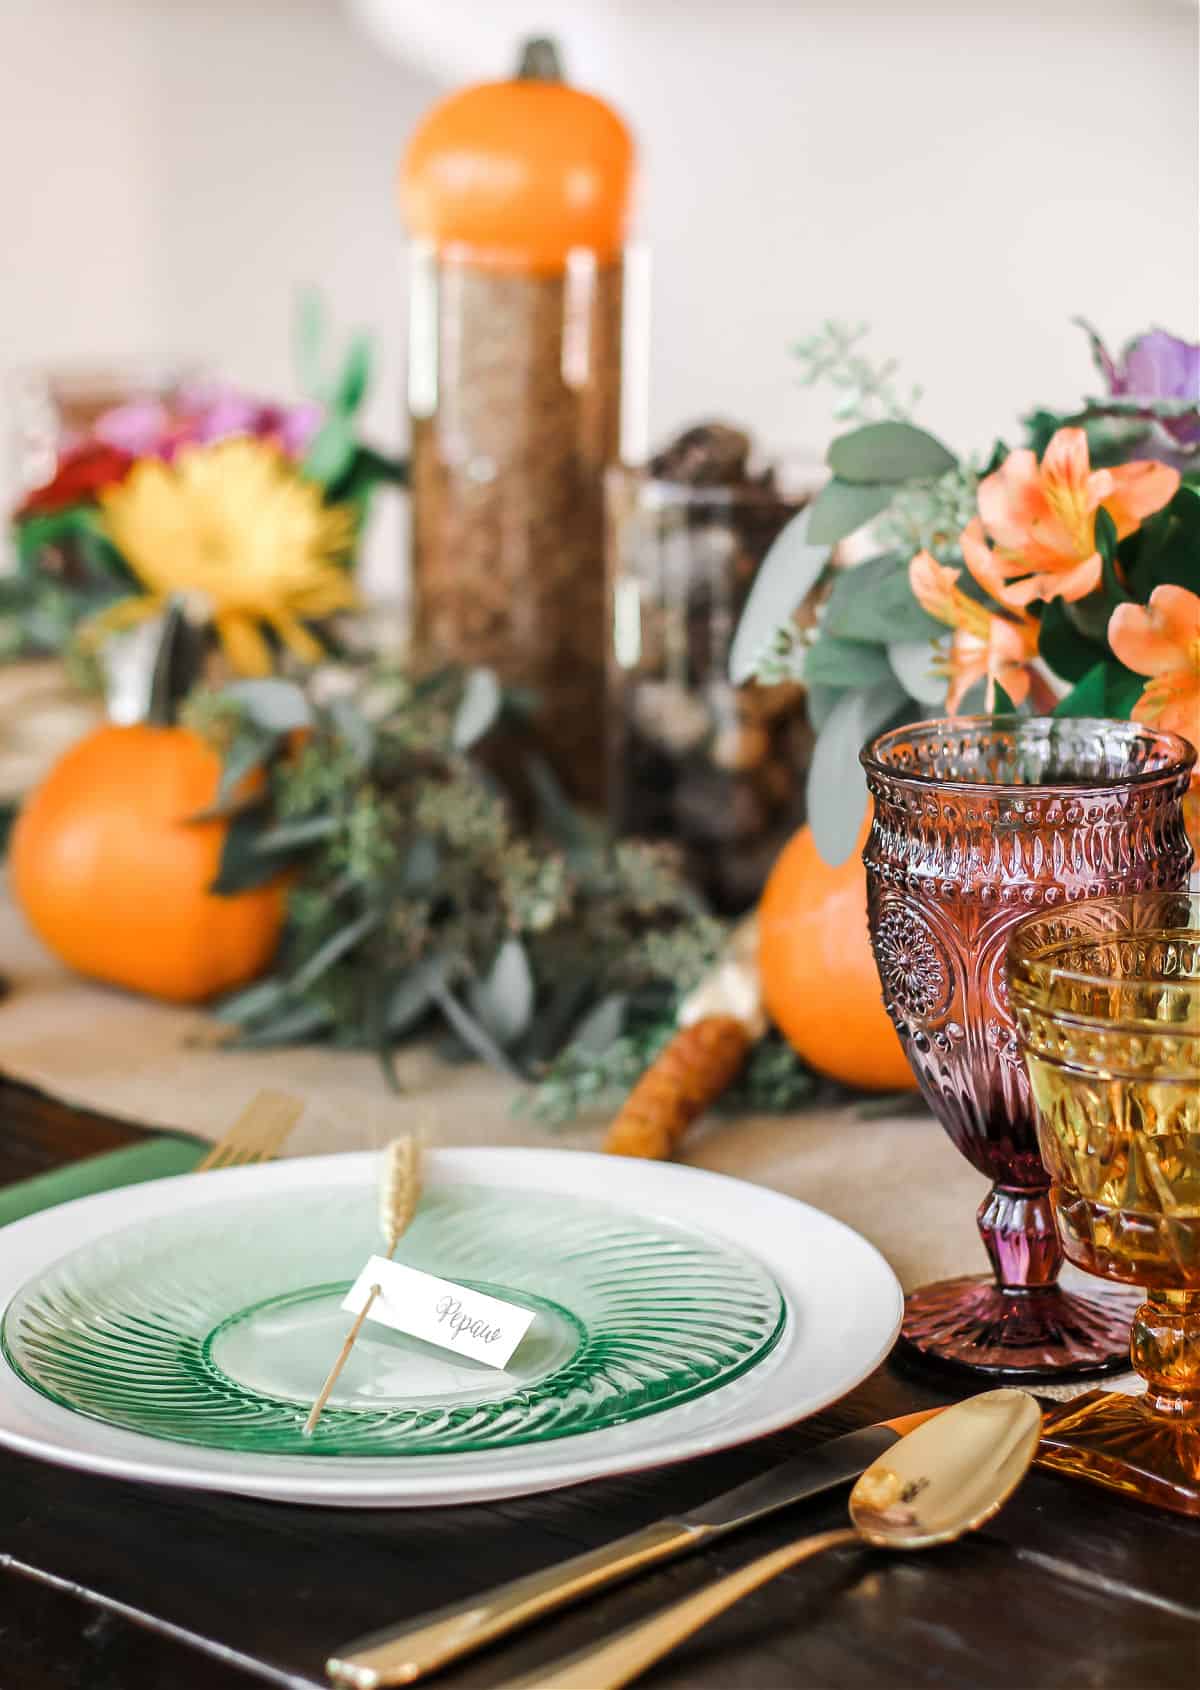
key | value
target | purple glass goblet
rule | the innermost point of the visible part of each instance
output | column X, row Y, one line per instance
column 977, row 822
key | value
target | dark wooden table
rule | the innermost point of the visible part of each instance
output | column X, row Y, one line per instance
column 123, row 1587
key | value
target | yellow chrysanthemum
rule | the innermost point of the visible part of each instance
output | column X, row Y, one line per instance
column 235, row 528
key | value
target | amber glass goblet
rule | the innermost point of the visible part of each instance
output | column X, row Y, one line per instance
column 1106, row 997
column 979, row 821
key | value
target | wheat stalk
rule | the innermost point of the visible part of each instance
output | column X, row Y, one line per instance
column 399, row 1194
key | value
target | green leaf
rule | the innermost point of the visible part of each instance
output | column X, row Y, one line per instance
column 1063, row 644
column 503, row 999
column 303, row 1022
column 602, row 1026
column 1108, row 689
column 873, row 601
column 295, row 835
column 242, row 864
column 842, row 507
column 913, row 663
column 1106, row 545
column 334, row 948
column 351, row 387
column 249, row 751
column 422, row 862
column 412, row 996
column 276, row 705
column 474, row 1035
column 355, row 732
column 1165, row 550
column 253, row 1002
column 331, row 451
column 837, row 788
column 820, row 701
column 478, row 709
column 308, row 338
column 833, row 662
column 786, row 576
column 889, row 451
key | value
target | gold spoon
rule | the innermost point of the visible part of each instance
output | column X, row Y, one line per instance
column 943, row 1479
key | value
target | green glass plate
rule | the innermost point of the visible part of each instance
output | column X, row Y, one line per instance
column 217, row 1327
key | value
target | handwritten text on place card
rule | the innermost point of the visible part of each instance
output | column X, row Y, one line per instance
column 439, row 1311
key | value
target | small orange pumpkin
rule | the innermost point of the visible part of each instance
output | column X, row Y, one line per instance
column 513, row 175
column 819, row 981
column 114, row 877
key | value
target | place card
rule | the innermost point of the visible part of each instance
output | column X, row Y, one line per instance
column 439, row 1311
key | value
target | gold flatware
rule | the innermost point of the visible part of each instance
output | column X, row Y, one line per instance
column 401, row 1655
column 258, row 1134
column 939, row 1482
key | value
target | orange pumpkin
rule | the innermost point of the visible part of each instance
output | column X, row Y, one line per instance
column 819, row 980
column 513, row 175
column 114, row 877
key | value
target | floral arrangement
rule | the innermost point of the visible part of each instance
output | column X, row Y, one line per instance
column 424, row 893
column 248, row 511
column 1061, row 575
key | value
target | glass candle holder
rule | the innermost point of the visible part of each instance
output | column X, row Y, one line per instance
column 1106, row 997
column 978, row 822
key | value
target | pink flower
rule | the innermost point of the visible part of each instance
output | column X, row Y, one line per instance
column 1041, row 518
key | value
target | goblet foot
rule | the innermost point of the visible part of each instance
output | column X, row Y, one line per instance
column 1120, row 1442
column 1041, row 1331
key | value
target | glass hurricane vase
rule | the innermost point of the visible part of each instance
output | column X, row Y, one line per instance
column 1106, row 997
column 978, row 822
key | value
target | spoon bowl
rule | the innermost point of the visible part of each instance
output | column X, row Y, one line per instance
column 943, row 1479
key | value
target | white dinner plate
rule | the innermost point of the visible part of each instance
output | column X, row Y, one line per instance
column 841, row 1302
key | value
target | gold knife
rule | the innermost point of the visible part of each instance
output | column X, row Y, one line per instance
column 402, row 1654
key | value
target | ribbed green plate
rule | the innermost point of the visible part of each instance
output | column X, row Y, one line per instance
column 217, row 1327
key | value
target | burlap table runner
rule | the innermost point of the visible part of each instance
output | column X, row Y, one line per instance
column 896, row 1180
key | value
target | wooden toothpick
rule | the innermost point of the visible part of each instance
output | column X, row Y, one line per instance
column 399, row 1191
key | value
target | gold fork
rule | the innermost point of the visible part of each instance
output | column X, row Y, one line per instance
column 257, row 1135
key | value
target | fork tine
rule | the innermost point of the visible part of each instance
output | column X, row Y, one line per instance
column 258, row 1133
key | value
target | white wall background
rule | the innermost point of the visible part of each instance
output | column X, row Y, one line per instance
column 966, row 174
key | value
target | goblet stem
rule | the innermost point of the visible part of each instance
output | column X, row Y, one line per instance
column 1017, row 1228
column 1165, row 1347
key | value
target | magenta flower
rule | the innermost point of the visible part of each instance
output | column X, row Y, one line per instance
column 199, row 415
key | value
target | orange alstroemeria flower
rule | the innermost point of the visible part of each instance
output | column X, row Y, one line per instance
column 1162, row 640
column 1041, row 518
column 984, row 646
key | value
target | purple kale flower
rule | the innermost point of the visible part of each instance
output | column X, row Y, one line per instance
column 1158, row 377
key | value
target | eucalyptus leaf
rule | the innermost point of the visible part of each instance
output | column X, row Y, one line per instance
column 832, row 662
column 249, row 751
column 602, row 1026
column 472, row 1033
column 295, row 835
column 914, row 665
column 411, row 997
column 478, row 709
column 421, row 863
column 242, row 864
column 253, row 1002
column 276, row 705
column 820, row 701
column 354, row 730
column 843, row 507
column 304, row 1021
column 874, row 601
column 837, row 788
column 503, row 999
column 334, row 948
column 889, row 451
column 785, row 577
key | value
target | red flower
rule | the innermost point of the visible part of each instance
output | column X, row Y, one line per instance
column 80, row 476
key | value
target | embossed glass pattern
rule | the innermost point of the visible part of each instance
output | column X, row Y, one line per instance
column 217, row 1327
column 977, row 822
column 1106, row 997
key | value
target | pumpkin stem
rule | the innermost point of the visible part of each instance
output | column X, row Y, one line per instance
column 176, row 665
column 540, row 61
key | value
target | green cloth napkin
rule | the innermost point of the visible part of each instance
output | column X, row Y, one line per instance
column 154, row 1158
